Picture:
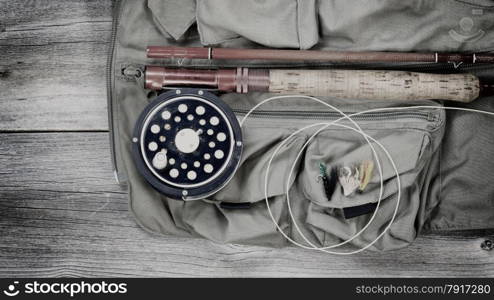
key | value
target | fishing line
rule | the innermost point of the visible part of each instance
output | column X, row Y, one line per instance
column 359, row 130
column 378, row 163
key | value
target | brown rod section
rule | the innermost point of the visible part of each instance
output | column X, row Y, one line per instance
column 163, row 52
column 239, row 80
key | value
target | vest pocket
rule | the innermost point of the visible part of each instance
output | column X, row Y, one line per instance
column 253, row 225
column 413, row 144
column 339, row 149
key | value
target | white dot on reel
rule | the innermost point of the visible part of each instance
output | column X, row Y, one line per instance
column 197, row 164
column 155, row 129
column 214, row 121
column 208, row 168
column 174, row 173
column 219, row 154
column 200, row 110
column 207, row 156
column 178, row 119
column 182, row 108
column 190, row 117
column 212, row 144
column 202, row 122
column 221, row 137
column 183, row 166
column 153, row 146
column 171, row 161
column 210, row 132
column 166, row 115
column 191, row 175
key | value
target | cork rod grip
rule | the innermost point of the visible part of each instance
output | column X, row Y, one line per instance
column 375, row 85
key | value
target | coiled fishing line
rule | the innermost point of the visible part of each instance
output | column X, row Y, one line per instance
column 378, row 163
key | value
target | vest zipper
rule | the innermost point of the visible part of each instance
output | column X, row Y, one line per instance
column 318, row 115
column 109, row 79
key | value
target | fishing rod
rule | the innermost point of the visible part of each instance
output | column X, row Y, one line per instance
column 354, row 84
column 165, row 52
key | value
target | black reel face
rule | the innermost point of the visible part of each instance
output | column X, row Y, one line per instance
column 187, row 144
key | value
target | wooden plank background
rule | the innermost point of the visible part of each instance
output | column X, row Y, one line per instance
column 61, row 212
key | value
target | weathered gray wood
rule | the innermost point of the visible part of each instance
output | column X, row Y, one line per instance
column 52, row 64
column 62, row 214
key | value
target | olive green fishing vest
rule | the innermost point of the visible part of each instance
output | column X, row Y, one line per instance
column 445, row 159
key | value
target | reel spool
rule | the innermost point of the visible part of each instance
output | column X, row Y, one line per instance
column 187, row 144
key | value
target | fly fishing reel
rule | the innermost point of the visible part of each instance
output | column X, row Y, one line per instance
column 187, row 144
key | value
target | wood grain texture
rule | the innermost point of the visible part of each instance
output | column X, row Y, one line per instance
column 53, row 63
column 62, row 214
